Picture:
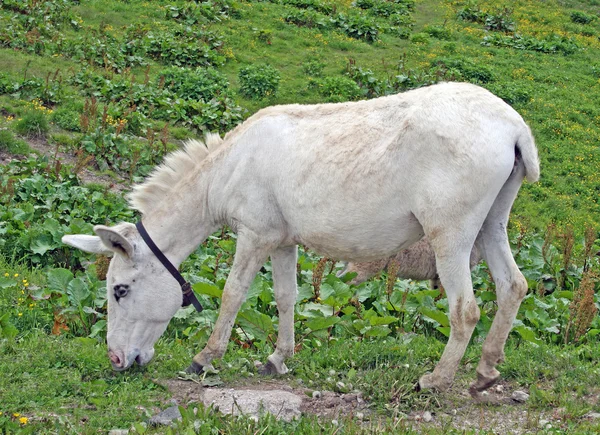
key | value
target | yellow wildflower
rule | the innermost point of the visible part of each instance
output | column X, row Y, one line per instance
column 16, row 275
column 16, row 414
column 6, row 274
column 20, row 314
column 23, row 420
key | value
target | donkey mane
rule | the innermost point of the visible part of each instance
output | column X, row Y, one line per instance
column 177, row 166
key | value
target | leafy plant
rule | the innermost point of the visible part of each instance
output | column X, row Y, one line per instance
column 259, row 81
column 9, row 143
column 337, row 89
column 499, row 20
column 33, row 123
column 550, row 44
column 357, row 26
column 307, row 18
column 581, row 17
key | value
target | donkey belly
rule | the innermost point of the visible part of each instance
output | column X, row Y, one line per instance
column 355, row 239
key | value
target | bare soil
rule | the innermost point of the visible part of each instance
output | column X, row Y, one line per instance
column 495, row 411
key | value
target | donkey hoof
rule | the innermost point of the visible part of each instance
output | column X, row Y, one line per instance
column 194, row 369
column 270, row 369
column 432, row 381
column 482, row 383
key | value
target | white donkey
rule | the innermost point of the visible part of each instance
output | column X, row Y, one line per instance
column 354, row 181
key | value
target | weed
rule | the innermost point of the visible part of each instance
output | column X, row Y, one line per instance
column 259, row 81
column 34, row 123
column 313, row 68
column 10, row 144
column 581, row 17
column 337, row 89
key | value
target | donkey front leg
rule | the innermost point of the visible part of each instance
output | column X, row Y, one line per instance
column 283, row 261
column 249, row 257
column 455, row 275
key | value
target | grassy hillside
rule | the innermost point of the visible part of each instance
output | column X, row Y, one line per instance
column 542, row 57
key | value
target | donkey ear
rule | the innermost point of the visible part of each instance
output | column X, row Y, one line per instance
column 86, row 243
column 117, row 239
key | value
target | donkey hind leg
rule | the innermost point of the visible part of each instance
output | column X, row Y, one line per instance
column 283, row 261
column 249, row 257
column 511, row 285
column 455, row 274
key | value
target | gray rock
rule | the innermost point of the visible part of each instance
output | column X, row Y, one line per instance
column 316, row 395
column 166, row 417
column 592, row 415
column 519, row 396
column 118, row 432
column 427, row 417
column 282, row 404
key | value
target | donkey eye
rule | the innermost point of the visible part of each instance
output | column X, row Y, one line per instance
column 120, row 291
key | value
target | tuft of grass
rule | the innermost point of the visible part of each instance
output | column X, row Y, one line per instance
column 34, row 123
column 10, row 144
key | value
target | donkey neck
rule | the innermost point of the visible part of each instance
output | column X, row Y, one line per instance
column 182, row 222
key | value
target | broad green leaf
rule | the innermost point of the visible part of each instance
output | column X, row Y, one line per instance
column 312, row 309
column 78, row 292
column 6, row 282
column 444, row 330
column 378, row 331
column 98, row 327
column 42, row 244
column 305, row 292
column 258, row 324
column 322, row 322
column 385, row 320
column 487, row 296
column 564, row 294
column 7, row 329
column 208, row 289
column 527, row 334
column 434, row 314
column 59, row 279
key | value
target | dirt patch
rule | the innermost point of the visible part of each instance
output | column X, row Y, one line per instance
column 274, row 396
column 495, row 411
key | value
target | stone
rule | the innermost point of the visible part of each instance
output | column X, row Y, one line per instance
column 282, row 404
column 165, row 417
column 519, row 396
column 316, row 395
column 592, row 415
column 427, row 417
column 118, row 432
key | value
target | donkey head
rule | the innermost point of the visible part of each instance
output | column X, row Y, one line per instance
column 142, row 295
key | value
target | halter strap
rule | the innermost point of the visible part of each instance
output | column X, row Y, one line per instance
column 189, row 297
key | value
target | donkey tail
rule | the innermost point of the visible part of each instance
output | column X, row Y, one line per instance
column 527, row 150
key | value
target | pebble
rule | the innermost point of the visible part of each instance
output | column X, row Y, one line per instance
column 499, row 388
column 519, row 396
column 118, row 432
column 427, row 417
column 592, row 415
column 317, row 395
column 360, row 415
column 545, row 424
column 166, row 417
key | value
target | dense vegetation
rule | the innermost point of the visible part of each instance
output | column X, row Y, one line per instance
column 117, row 84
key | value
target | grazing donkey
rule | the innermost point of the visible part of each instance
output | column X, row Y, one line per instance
column 415, row 262
column 356, row 181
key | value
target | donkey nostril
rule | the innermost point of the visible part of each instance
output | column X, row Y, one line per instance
column 114, row 358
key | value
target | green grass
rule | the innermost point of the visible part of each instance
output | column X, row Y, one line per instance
column 66, row 384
